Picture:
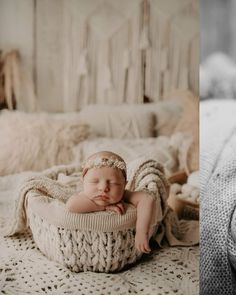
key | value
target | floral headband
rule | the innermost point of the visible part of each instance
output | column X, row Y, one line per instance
column 100, row 162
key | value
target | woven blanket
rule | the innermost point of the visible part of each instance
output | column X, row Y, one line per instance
column 218, row 196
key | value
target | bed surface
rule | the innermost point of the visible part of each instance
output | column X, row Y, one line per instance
column 25, row 270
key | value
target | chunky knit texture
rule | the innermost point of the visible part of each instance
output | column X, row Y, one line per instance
column 218, row 197
column 102, row 241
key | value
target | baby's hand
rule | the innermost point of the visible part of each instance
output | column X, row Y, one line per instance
column 118, row 208
column 142, row 242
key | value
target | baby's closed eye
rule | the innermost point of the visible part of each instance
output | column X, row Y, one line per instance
column 115, row 183
column 93, row 181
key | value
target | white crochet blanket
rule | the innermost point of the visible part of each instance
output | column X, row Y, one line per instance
column 24, row 268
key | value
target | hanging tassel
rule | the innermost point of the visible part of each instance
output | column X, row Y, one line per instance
column 107, row 74
column 164, row 59
column 82, row 69
column 107, row 78
column 2, row 94
column 127, row 59
column 144, row 38
column 8, row 82
column 16, row 78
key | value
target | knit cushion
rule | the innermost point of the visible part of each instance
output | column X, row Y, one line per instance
column 124, row 121
column 37, row 141
column 99, row 241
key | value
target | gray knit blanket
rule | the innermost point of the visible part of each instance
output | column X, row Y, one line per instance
column 218, row 196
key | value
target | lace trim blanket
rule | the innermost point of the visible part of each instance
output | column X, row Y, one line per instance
column 60, row 183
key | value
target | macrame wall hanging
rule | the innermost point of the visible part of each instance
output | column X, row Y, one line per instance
column 185, row 58
column 103, row 56
column 170, row 61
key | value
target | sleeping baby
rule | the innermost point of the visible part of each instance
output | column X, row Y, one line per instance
column 104, row 181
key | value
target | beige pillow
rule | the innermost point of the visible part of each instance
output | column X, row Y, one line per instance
column 159, row 149
column 37, row 141
column 167, row 113
column 189, row 123
column 123, row 121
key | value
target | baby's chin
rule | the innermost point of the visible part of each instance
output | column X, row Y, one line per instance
column 100, row 202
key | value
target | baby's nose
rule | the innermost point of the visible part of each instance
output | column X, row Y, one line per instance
column 104, row 186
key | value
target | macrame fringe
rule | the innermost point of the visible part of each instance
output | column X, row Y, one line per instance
column 107, row 78
column 127, row 61
column 144, row 38
column 16, row 87
column 83, row 65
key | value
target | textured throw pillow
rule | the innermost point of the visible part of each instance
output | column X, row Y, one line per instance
column 159, row 149
column 119, row 121
column 37, row 141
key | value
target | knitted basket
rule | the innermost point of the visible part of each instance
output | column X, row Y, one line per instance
column 99, row 241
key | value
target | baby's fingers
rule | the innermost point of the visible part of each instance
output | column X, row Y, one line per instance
column 146, row 248
column 121, row 207
column 142, row 247
column 113, row 208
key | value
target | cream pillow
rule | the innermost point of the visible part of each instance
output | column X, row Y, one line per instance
column 167, row 114
column 159, row 149
column 119, row 121
column 37, row 141
column 189, row 123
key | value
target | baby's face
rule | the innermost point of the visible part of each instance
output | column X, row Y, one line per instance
column 104, row 185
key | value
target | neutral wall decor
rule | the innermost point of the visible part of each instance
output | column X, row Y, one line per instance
column 82, row 52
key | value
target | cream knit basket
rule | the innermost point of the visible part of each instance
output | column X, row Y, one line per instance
column 100, row 242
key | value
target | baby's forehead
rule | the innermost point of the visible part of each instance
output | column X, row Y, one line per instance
column 105, row 171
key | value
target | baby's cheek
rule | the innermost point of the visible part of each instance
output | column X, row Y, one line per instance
column 119, row 193
column 89, row 188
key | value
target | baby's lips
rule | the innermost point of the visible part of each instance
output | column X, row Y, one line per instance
column 102, row 197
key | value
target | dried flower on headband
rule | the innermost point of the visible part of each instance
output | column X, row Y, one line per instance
column 100, row 162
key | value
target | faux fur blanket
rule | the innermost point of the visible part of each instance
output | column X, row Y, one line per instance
column 60, row 183
column 218, row 196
